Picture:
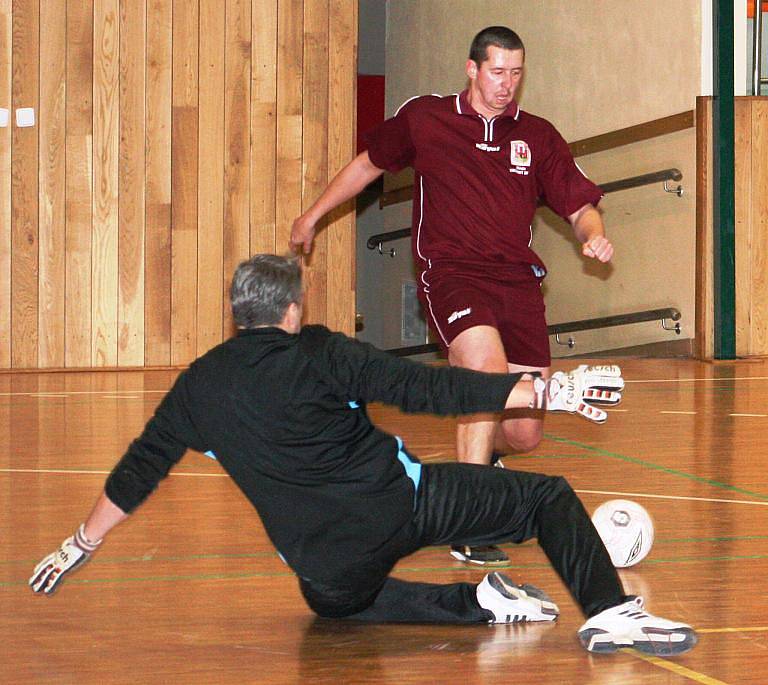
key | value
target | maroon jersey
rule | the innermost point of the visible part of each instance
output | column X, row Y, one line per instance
column 478, row 181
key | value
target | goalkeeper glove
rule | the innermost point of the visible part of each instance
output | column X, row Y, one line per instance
column 579, row 391
column 72, row 553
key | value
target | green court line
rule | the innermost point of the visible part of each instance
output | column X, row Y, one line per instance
column 399, row 569
column 147, row 557
column 165, row 578
column 657, row 467
column 693, row 560
column 724, row 538
column 271, row 554
column 519, row 457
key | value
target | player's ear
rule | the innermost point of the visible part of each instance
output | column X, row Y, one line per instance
column 471, row 68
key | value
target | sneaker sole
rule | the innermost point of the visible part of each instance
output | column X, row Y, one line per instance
column 478, row 562
column 657, row 647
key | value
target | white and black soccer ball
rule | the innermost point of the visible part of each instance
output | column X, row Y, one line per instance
column 626, row 529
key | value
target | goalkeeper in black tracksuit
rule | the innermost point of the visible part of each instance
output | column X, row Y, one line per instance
column 283, row 409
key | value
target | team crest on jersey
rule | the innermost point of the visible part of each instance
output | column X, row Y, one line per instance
column 519, row 157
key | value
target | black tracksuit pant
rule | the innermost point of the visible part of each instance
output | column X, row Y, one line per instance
column 476, row 505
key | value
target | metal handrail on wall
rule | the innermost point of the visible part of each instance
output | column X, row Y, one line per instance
column 665, row 175
column 573, row 326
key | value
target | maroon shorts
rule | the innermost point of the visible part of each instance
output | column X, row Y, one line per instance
column 508, row 298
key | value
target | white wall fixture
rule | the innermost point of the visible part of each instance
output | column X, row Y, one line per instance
column 3, row 117
column 25, row 116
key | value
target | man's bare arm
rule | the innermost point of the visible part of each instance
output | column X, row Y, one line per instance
column 352, row 179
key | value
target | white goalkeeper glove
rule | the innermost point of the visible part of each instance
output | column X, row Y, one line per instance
column 72, row 554
column 579, row 391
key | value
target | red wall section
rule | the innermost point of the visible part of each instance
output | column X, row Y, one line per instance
column 370, row 105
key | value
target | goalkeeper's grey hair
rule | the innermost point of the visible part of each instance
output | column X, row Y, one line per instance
column 262, row 289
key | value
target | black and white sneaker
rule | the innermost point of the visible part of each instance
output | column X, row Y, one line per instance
column 510, row 603
column 487, row 555
column 629, row 625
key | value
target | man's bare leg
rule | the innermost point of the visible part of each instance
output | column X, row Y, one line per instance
column 478, row 348
column 477, row 436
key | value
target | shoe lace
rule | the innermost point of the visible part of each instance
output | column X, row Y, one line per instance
column 634, row 609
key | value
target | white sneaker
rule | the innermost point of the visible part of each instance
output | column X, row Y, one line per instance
column 628, row 625
column 510, row 603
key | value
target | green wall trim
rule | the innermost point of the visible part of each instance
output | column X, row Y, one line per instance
column 724, row 211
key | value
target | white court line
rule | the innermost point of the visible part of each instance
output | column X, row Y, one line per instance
column 756, row 415
column 106, row 473
column 48, row 394
column 644, row 380
column 694, row 499
column 225, row 475
column 696, row 380
column 692, row 413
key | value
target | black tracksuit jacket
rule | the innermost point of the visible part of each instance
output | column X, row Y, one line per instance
column 285, row 415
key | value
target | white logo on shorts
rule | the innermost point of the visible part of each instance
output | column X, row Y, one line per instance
column 457, row 315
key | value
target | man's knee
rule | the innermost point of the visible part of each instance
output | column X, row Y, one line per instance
column 332, row 602
column 522, row 435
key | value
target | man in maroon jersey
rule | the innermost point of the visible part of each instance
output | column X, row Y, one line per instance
column 482, row 166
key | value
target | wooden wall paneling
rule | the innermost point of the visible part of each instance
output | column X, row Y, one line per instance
column 210, row 176
column 288, row 163
column 106, row 150
column 237, row 155
column 341, row 146
column 759, row 246
column 78, row 184
column 52, row 188
column 6, row 64
column 263, row 125
column 24, row 186
column 315, row 148
column 132, row 211
column 157, row 243
column 743, row 207
column 704, row 341
column 184, row 165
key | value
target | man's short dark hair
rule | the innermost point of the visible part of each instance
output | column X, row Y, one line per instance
column 499, row 36
column 262, row 289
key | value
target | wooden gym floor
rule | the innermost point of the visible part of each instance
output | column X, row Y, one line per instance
column 189, row 589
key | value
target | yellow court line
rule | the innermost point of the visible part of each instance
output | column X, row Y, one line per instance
column 753, row 629
column 675, row 668
column 675, row 497
column 106, row 473
column 67, row 393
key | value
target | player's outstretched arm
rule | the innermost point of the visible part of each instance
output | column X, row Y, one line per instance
column 78, row 548
column 352, row 179
column 580, row 391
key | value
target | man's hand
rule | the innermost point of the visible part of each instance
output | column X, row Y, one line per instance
column 579, row 391
column 302, row 234
column 599, row 248
column 73, row 553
